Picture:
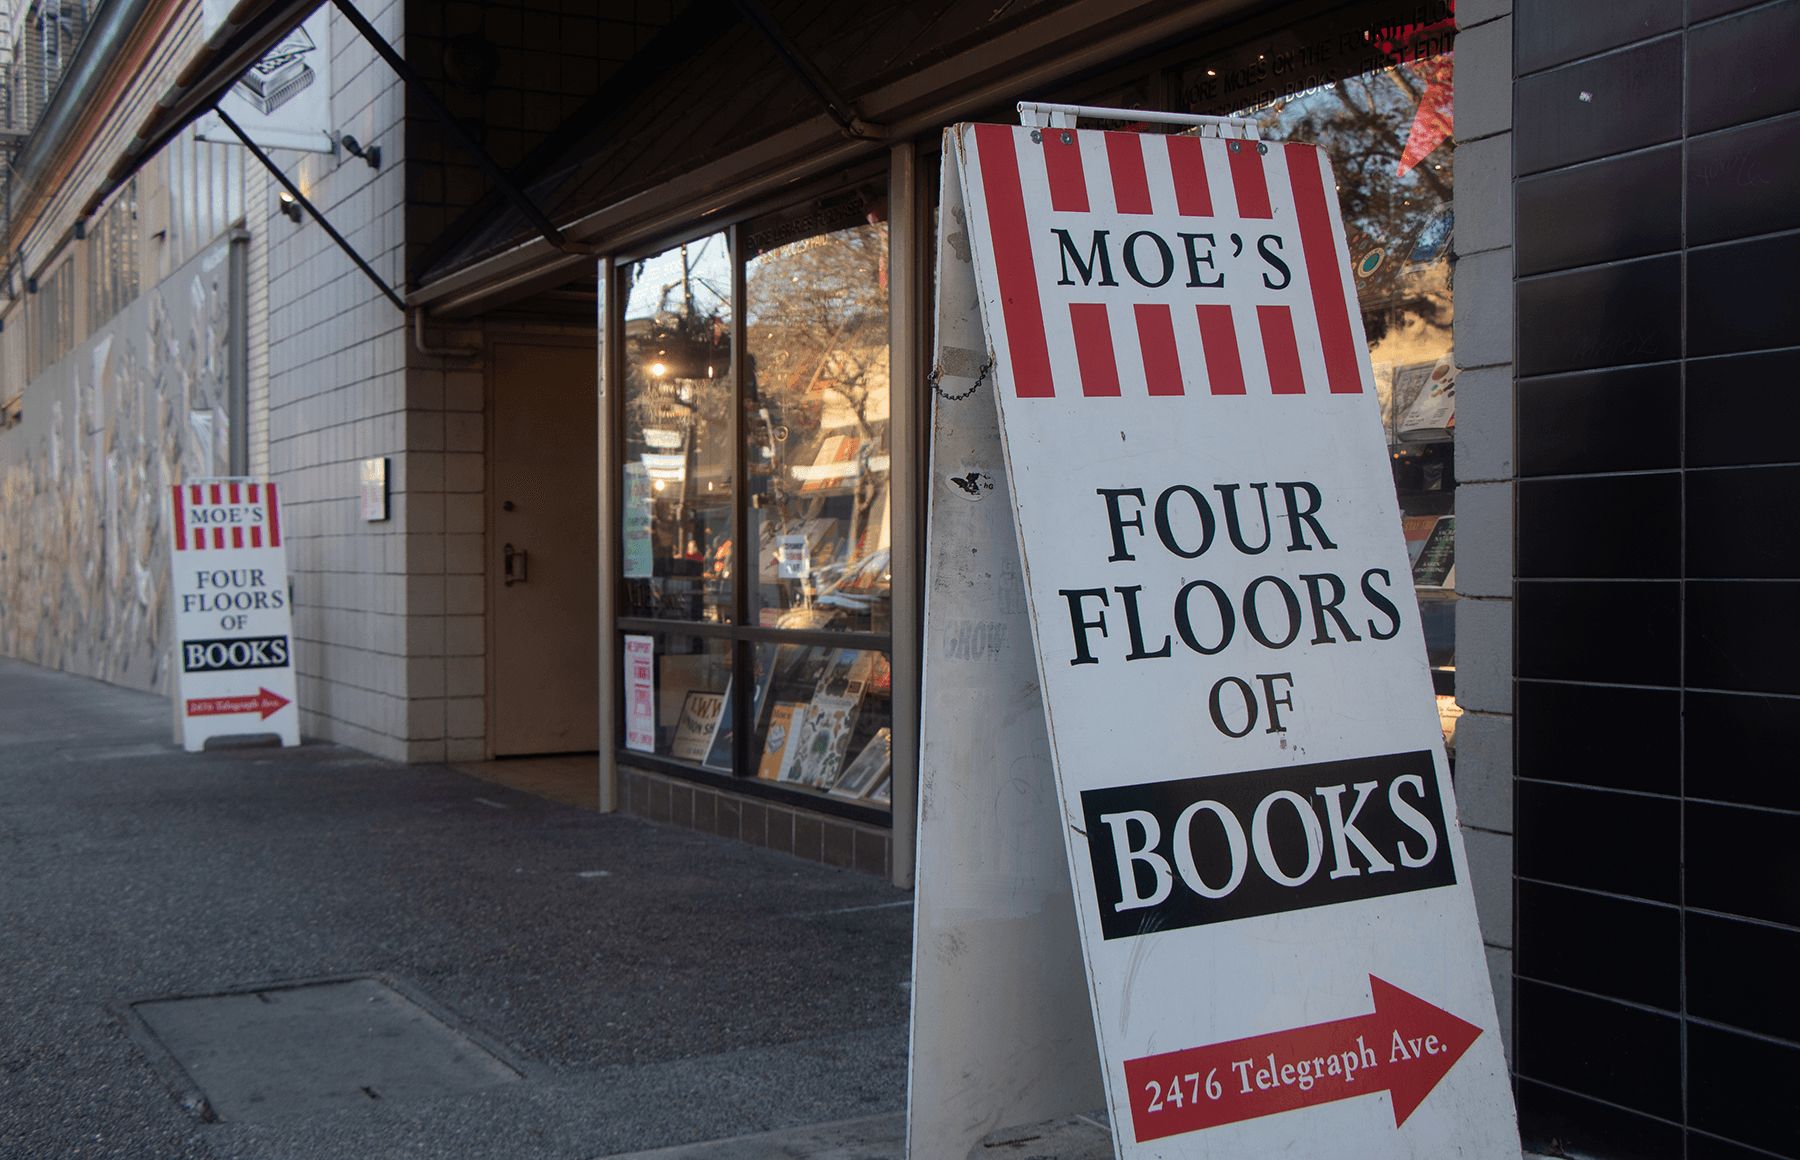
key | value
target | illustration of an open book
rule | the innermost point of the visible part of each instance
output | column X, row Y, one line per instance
column 282, row 72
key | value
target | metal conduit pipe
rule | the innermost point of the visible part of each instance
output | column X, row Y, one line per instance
column 418, row 318
column 99, row 48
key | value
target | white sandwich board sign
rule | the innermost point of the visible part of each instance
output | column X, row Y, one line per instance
column 234, row 667
column 1271, row 889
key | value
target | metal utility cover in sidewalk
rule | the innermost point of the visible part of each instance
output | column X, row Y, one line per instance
column 317, row 1048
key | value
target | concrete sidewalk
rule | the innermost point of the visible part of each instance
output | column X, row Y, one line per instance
column 637, row 987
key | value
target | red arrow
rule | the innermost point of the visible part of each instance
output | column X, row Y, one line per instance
column 1404, row 1049
column 265, row 701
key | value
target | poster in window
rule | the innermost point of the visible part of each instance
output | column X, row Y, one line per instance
column 1432, row 415
column 1435, row 566
column 700, row 717
column 640, row 693
column 640, row 500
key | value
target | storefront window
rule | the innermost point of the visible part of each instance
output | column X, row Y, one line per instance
column 782, row 674
column 678, row 466
column 1377, row 92
column 817, row 440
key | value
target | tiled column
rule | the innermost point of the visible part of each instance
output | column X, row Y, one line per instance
column 1484, row 469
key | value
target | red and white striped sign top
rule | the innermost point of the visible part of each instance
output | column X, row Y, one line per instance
column 1134, row 264
column 226, row 514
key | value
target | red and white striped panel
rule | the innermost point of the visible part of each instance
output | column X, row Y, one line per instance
column 195, row 532
column 1262, row 333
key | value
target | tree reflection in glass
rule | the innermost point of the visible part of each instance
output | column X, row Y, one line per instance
column 817, row 425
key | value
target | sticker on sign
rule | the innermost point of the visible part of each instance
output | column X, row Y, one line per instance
column 1259, row 820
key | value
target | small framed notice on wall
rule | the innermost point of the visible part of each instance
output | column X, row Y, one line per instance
column 374, row 489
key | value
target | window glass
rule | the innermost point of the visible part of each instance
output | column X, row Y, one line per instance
column 678, row 699
column 816, row 430
column 1377, row 92
column 678, row 466
column 824, row 719
column 812, row 716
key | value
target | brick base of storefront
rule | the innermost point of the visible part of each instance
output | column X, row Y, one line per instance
column 813, row 836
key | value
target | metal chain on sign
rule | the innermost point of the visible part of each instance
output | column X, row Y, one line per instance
column 937, row 373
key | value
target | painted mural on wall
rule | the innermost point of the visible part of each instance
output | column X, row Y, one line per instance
column 143, row 404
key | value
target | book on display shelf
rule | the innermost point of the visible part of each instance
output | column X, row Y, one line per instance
column 701, row 713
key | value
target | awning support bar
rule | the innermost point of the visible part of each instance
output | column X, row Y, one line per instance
column 294, row 192
column 463, row 141
column 837, row 106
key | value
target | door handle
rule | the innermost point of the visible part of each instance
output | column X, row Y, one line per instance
column 516, row 560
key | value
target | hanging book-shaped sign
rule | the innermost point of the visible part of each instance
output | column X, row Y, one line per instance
column 1272, row 892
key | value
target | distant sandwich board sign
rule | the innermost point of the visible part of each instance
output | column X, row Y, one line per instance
column 234, row 666
column 1271, row 888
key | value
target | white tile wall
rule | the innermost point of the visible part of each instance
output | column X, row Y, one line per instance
column 380, row 655
column 1484, row 465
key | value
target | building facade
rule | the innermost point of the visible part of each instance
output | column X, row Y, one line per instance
column 653, row 388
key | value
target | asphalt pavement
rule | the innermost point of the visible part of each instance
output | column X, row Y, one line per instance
column 641, row 987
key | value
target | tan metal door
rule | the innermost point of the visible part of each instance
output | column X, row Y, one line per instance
column 544, row 539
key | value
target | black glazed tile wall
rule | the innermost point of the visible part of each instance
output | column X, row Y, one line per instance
column 1743, row 409
column 1604, row 316
column 1741, row 749
column 1553, row 32
column 1743, row 635
column 1593, row 839
column 1742, row 296
column 1740, row 973
column 1743, row 1087
column 1742, row 68
column 1620, row 632
column 1741, row 861
column 1591, row 942
column 1735, row 523
column 1633, row 99
column 1639, row 750
column 1551, row 1118
column 1601, row 526
column 1657, row 591
column 1744, row 181
column 1618, row 419
column 1627, row 1055
column 1575, row 217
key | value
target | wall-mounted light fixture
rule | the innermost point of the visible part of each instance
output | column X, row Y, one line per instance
column 372, row 154
column 290, row 207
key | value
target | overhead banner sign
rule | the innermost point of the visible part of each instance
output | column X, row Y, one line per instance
column 234, row 666
column 283, row 101
column 1270, row 884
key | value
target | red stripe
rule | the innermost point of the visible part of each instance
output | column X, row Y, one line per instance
column 1248, row 180
column 1094, row 349
column 1062, row 163
column 1156, row 335
column 256, row 537
column 275, row 515
column 1193, row 196
column 237, row 537
column 194, row 490
column 1277, row 323
column 1131, row 186
column 1318, row 241
column 233, row 491
column 254, row 488
column 1218, row 337
column 219, row 538
column 215, row 494
column 180, row 522
column 1029, row 350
